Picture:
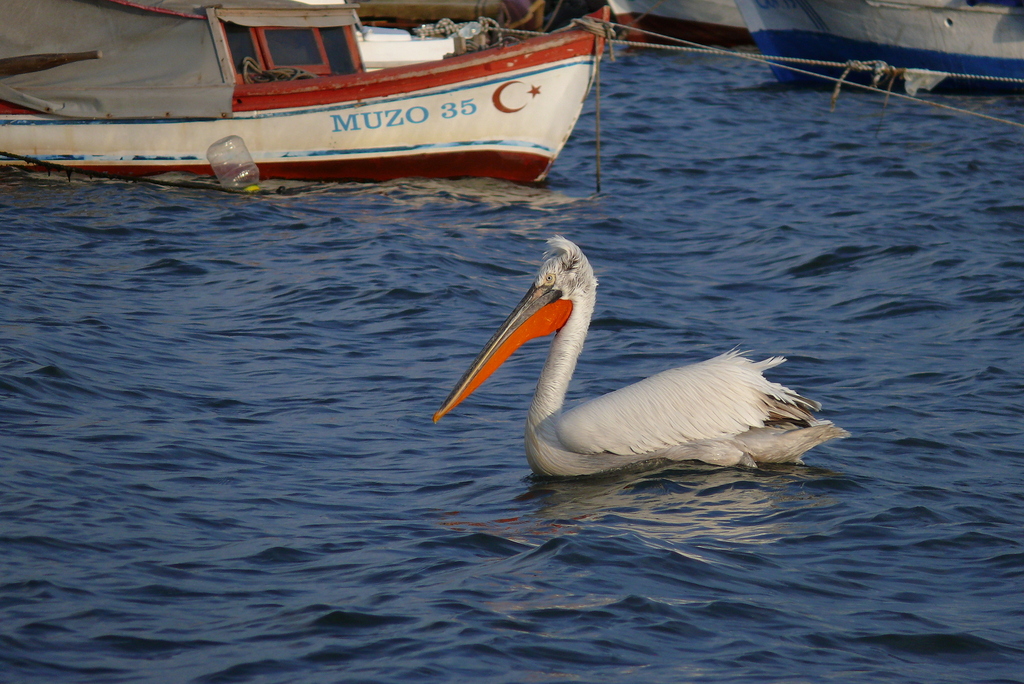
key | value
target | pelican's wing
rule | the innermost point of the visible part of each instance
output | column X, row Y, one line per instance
column 720, row 397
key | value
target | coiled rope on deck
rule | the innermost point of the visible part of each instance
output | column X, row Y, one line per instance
column 252, row 73
column 446, row 27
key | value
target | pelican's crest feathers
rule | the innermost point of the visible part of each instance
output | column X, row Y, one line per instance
column 570, row 266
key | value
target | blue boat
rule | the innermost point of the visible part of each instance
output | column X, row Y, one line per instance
column 983, row 39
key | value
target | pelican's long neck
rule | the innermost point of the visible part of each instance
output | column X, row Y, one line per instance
column 560, row 364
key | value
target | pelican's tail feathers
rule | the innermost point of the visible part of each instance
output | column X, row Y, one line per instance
column 772, row 445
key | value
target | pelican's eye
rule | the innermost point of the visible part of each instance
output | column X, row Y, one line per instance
column 549, row 279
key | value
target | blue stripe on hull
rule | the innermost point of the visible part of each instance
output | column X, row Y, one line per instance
column 830, row 48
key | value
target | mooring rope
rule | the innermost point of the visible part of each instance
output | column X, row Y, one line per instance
column 64, row 168
column 591, row 24
column 880, row 70
column 597, row 121
column 785, row 62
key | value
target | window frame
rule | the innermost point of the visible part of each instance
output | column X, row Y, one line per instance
column 257, row 34
column 267, row 57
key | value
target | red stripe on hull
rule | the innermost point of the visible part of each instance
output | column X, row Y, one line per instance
column 8, row 108
column 513, row 166
column 693, row 31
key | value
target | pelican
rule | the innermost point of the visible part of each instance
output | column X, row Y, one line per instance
column 721, row 411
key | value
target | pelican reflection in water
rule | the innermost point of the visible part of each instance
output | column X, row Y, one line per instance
column 721, row 411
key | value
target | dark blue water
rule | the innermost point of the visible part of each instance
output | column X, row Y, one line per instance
column 217, row 462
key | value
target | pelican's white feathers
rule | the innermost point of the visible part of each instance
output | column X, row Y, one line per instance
column 721, row 397
column 721, row 411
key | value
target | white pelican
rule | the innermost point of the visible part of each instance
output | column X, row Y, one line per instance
column 721, row 411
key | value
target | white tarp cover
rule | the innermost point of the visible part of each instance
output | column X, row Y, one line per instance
column 154, row 64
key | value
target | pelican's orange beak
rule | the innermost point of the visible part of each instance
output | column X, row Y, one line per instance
column 541, row 312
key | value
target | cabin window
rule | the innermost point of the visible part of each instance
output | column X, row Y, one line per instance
column 320, row 51
column 295, row 48
column 289, row 47
column 338, row 45
column 241, row 44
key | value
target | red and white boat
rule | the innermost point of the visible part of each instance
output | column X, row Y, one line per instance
column 171, row 80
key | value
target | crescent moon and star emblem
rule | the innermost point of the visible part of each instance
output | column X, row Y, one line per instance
column 501, row 106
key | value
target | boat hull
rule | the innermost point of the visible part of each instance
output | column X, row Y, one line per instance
column 502, row 113
column 708, row 22
column 953, row 37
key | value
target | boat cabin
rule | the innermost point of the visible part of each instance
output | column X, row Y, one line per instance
column 258, row 44
column 173, row 58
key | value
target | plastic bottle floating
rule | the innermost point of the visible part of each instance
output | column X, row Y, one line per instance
column 233, row 164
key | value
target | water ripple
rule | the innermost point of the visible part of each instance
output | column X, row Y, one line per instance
column 217, row 462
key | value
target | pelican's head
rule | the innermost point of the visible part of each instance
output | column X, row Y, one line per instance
column 565, row 277
column 567, row 270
